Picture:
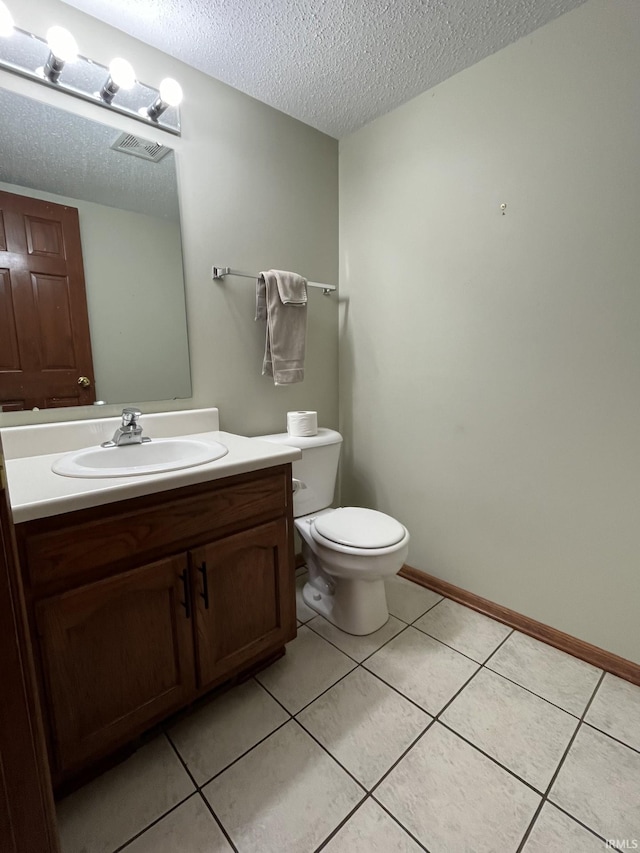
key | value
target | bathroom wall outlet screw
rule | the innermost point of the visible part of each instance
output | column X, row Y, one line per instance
column 503, row 207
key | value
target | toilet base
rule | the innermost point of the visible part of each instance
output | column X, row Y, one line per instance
column 357, row 607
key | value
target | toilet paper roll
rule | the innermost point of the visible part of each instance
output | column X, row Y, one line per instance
column 302, row 423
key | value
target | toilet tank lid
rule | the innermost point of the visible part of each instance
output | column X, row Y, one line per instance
column 322, row 439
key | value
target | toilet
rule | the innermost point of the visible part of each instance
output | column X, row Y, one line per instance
column 348, row 551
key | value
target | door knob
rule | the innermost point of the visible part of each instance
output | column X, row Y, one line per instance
column 84, row 381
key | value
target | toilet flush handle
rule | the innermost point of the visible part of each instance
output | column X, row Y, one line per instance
column 297, row 484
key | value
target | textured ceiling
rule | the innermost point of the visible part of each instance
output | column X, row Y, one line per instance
column 333, row 64
column 71, row 156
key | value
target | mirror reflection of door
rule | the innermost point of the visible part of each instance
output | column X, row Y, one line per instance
column 45, row 346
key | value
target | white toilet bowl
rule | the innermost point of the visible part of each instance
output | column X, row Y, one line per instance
column 349, row 551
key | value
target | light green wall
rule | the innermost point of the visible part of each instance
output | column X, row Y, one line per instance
column 490, row 364
column 489, row 379
column 257, row 190
column 135, row 299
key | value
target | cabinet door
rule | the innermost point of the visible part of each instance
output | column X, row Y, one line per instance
column 245, row 599
column 118, row 655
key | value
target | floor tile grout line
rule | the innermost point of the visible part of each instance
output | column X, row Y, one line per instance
column 412, row 743
column 421, row 708
column 404, row 627
column 266, row 689
column 612, row 737
column 399, row 692
column 401, row 825
column 532, row 692
column 154, row 822
column 402, row 756
column 350, row 816
column 359, row 665
column 420, row 615
column 182, row 761
column 449, row 701
column 339, row 763
column 528, row 689
column 326, row 690
column 574, row 818
column 342, row 823
column 369, row 793
column 246, row 752
column 210, row 808
column 545, row 795
column 457, row 693
column 499, row 646
column 485, row 663
column 202, row 796
column 355, row 660
column 479, row 749
column 448, row 645
column 575, row 734
column 364, row 789
column 437, row 719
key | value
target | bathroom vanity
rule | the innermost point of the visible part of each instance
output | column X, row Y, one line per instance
column 144, row 593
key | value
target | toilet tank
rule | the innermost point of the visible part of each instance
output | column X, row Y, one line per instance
column 317, row 470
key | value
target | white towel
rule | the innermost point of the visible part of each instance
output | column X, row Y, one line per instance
column 281, row 300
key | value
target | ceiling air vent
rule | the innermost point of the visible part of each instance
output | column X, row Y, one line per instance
column 127, row 143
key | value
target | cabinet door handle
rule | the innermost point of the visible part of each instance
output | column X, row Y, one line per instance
column 205, row 584
column 184, row 577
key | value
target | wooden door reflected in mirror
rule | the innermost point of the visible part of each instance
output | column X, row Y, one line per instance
column 45, row 344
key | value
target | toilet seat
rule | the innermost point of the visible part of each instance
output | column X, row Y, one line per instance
column 358, row 529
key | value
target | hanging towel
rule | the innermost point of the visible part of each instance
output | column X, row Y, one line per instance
column 281, row 300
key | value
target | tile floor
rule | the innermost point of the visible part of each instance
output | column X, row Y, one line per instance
column 444, row 731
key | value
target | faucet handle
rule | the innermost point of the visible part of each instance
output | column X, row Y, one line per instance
column 130, row 416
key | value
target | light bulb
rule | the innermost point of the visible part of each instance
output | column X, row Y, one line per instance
column 6, row 21
column 122, row 73
column 62, row 44
column 171, row 92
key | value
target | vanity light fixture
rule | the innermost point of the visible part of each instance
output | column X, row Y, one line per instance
column 121, row 76
column 170, row 96
column 56, row 63
column 6, row 21
column 63, row 48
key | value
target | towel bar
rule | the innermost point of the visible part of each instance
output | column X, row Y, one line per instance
column 218, row 273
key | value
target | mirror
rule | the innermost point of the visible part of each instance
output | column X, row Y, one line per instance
column 128, row 212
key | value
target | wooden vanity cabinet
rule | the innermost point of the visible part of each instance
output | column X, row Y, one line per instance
column 138, row 608
column 117, row 653
column 232, row 627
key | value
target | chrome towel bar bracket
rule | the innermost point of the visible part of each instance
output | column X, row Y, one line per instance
column 218, row 273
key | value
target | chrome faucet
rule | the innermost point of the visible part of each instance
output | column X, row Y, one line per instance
column 129, row 432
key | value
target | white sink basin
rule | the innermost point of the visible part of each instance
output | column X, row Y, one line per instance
column 153, row 457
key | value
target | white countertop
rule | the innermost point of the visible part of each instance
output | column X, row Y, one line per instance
column 36, row 492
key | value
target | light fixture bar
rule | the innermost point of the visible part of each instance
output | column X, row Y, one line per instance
column 30, row 56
